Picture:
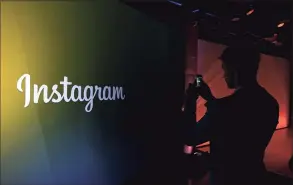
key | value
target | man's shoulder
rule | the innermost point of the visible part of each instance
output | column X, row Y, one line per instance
column 258, row 94
column 219, row 103
column 226, row 100
column 262, row 101
column 267, row 99
column 260, row 98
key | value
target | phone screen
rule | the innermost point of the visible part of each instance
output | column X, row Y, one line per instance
column 198, row 80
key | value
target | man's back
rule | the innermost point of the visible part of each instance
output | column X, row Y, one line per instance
column 241, row 128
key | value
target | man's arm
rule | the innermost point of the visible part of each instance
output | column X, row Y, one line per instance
column 200, row 132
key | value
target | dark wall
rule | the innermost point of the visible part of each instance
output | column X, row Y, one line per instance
column 291, row 93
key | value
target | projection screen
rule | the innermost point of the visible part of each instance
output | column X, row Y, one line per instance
column 273, row 76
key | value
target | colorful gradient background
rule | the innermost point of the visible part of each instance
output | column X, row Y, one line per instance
column 103, row 42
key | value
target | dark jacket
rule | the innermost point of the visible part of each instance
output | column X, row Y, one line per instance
column 239, row 128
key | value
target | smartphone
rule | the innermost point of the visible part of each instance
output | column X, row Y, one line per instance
column 198, row 80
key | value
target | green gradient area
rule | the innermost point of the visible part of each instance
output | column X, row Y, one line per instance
column 102, row 42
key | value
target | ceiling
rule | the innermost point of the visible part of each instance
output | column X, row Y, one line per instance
column 222, row 21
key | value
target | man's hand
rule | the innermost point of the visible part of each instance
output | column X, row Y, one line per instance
column 205, row 92
column 192, row 94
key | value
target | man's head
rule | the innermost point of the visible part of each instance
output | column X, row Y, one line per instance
column 240, row 65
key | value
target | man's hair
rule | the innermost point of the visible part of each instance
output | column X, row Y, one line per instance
column 243, row 58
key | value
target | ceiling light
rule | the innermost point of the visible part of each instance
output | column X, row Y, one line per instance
column 250, row 12
column 235, row 19
column 175, row 3
column 281, row 24
column 211, row 15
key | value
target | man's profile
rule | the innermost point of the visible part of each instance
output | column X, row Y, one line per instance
column 240, row 126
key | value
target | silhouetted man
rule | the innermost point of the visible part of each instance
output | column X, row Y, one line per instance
column 240, row 126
